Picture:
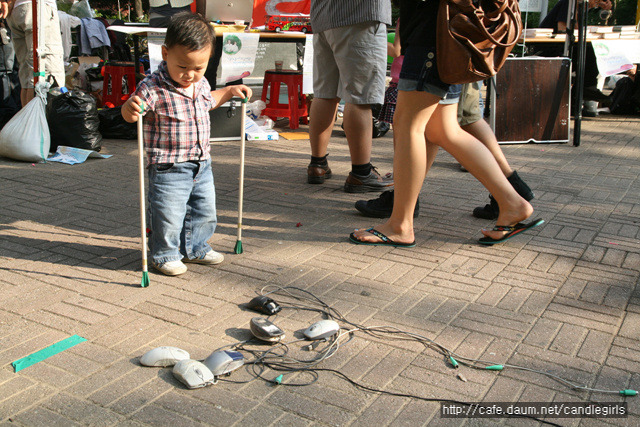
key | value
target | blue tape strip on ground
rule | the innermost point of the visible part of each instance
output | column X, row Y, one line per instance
column 47, row 352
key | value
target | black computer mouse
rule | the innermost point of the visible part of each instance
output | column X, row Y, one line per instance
column 265, row 305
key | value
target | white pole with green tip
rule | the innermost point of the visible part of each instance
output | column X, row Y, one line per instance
column 143, row 218
column 238, row 248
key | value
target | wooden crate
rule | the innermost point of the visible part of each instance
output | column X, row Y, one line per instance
column 532, row 100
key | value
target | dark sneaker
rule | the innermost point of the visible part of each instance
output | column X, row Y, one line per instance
column 491, row 209
column 317, row 173
column 382, row 206
column 372, row 182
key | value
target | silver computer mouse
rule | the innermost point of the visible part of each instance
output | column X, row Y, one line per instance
column 321, row 330
column 193, row 374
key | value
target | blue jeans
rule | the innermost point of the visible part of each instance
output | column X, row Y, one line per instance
column 420, row 73
column 182, row 210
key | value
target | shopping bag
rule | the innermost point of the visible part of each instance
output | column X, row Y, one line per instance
column 26, row 136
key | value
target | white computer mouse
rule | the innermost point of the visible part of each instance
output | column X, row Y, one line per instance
column 321, row 330
column 163, row 356
column 224, row 362
column 193, row 374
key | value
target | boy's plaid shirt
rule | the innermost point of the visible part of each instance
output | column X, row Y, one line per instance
column 176, row 127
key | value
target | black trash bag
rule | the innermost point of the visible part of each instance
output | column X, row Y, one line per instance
column 113, row 126
column 74, row 122
column 624, row 98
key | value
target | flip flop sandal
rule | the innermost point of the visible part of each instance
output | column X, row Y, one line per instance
column 385, row 241
column 512, row 231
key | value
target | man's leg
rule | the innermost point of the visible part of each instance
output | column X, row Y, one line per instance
column 323, row 115
column 357, row 123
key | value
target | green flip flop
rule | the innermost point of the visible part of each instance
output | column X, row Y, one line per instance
column 512, row 231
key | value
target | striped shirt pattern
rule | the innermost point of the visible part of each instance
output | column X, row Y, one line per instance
column 176, row 126
column 328, row 14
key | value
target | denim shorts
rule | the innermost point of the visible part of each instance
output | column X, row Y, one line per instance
column 420, row 73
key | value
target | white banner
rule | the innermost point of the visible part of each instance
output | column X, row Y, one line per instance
column 307, row 69
column 238, row 56
column 530, row 5
column 614, row 56
column 155, row 42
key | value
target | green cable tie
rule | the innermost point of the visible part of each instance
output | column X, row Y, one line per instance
column 453, row 361
column 494, row 368
column 278, row 379
column 46, row 352
column 628, row 393
column 38, row 74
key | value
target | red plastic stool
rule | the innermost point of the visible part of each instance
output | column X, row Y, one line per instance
column 296, row 109
column 114, row 73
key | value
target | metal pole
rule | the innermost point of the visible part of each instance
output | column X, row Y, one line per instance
column 579, row 85
column 36, row 63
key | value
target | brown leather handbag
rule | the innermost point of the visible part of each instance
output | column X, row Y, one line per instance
column 474, row 38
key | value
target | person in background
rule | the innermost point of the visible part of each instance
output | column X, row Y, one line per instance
column 349, row 63
column 556, row 19
column 51, row 62
column 161, row 11
column 177, row 99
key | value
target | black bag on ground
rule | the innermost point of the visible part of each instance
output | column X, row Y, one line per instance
column 113, row 126
column 625, row 98
column 74, row 122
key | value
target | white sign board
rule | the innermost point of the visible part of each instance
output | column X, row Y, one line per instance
column 612, row 56
column 307, row 70
column 530, row 5
column 238, row 55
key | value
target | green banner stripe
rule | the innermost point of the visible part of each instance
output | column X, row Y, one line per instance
column 46, row 352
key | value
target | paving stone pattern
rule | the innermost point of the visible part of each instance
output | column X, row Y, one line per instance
column 562, row 298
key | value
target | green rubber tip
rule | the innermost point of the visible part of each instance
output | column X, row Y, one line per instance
column 628, row 393
column 454, row 362
column 145, row 280
column 238, row 248
column 245, row 100
column 494, row 368
column 278, row 379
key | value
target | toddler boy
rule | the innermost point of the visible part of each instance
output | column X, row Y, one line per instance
column 176, row 101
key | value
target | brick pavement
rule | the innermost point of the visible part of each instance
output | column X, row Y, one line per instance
column 562, row 298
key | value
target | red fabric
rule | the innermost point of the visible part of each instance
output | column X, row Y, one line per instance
column 282, row 6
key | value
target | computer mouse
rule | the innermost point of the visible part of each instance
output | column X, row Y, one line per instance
column 265, row 330
column 223, row 362
column 163, row 356
column 265, row 305
column 193, row 374
column 321, row 330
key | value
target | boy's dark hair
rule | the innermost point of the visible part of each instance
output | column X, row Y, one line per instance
column 192, row 31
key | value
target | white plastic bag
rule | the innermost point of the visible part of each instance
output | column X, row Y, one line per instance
column 254, row 109
column 26, row 136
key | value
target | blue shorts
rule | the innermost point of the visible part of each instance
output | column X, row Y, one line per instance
column 420, row 73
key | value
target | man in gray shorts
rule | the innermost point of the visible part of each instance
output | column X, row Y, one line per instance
column 349, row 63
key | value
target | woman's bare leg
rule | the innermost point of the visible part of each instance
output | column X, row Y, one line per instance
column 443, row 130
column 409, row 164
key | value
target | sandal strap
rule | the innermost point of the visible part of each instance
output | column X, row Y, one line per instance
column 504, row 228
column 378, row 234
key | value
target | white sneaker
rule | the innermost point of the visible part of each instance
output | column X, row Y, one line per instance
column 210, row 258
column 171, row 268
